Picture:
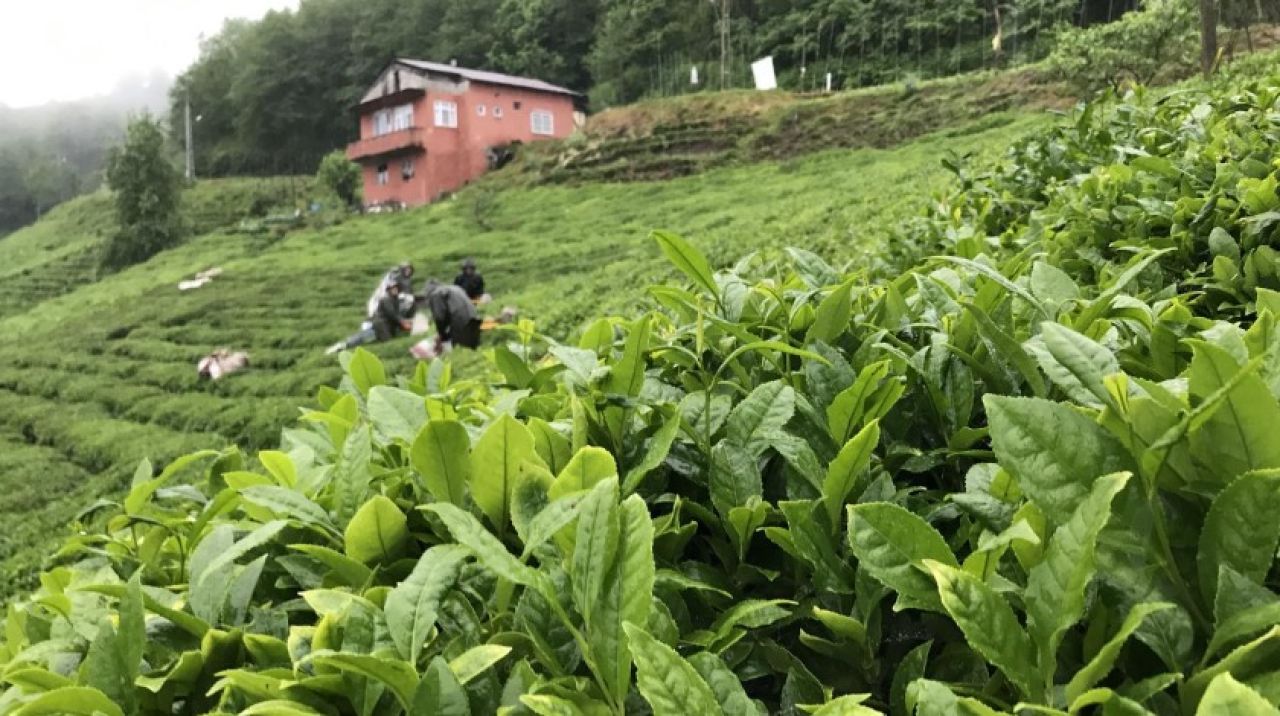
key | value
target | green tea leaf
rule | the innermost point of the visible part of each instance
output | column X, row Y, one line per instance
column 587, row 468
column 1054, row 452
column 440, row 693
column 494, row 463
column 441, row 454
column 397, row 675
column 595, row 545
column 477, row 660
column 1077, row 364
column 551, row 445
column 689, row 260
column 724, row 684
column 1102, row 662
column 765, row 411
column 817, row 540
column 833, row 316
column 892, row 544
column 657, row 451
column 351, row 572
column 468, row 532
column 1237, row 437
column 626, row 596
column 735, row 477
column 1055, row 594
column 395, row 414
column 551, row 520
column 844, row 474
column 1240, row 531
column 70, row 701
column 911, row 668
column 366, row 371
column 669, row 683
column 378, row 533
column 1242, row 625
column 988, row 623
column 413, row 606
column 351, row 475
column 1228, row 697
column 287, row 503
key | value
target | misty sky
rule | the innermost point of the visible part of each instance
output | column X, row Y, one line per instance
column 68, row 49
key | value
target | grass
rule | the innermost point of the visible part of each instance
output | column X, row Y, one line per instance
column 94, row 379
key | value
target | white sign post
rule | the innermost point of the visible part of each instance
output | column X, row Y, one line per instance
column 762, row 71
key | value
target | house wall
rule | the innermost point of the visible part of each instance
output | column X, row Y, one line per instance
column 456, row 156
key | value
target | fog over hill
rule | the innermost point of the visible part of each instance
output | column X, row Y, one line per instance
column 52, row 152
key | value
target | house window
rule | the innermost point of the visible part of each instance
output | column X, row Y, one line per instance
column 381, row 122
column 402, row 118
column 480, row 110
column 406, row 169
column 516, row 105
column 542, row 121
column 497, row 112
column 446, row 113
column 383, row 175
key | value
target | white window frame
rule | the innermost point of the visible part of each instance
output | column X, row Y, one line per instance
column 446, row 113
column 536, row 119
column 383, row 175
column 497, row 112
column 408, row 169
column 402, row 118
column 381, row 122
column 480, row 110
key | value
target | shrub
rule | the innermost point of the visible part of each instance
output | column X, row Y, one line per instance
column 340, row 176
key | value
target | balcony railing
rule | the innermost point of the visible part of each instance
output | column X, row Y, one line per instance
column 403, row 140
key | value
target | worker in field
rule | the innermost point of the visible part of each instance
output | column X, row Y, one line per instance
column 402, row 276
column 454, row 315
column 472, row 283
column 390, row 319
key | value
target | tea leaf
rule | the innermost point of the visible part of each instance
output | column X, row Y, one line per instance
column 892, row 544
column 669, row 683
column 412, row 607
column 441, row 454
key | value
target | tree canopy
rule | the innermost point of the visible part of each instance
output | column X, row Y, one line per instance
column 274, row 96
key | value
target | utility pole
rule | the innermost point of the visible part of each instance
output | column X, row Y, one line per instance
column 191, row 157
column 724, row 44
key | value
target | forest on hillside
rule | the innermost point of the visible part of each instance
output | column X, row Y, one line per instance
column 275, row 95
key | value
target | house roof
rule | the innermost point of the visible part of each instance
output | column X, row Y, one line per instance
column 493, row 78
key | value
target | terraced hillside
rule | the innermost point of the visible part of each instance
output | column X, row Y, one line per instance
column 98, row 377
column 685, row 135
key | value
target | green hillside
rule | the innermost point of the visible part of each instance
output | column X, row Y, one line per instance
column 95, row 376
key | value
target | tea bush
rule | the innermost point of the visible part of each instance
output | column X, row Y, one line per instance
column 1033, row 473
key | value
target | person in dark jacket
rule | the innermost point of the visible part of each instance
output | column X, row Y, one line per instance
column 470, row 281
column 454, row 315
column 387, row 322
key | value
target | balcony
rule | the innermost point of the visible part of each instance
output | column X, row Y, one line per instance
column 402, row 141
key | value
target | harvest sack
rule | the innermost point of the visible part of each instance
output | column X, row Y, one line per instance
column 222, row 362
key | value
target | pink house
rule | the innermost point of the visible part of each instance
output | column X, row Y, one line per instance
column 427, row 129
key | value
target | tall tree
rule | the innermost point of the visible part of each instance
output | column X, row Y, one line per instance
column 147, row 188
